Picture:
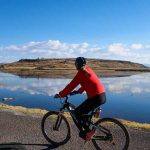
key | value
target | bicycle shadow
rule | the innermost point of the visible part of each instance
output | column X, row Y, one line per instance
column 21, row 146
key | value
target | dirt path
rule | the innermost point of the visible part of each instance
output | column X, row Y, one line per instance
column 19, row 131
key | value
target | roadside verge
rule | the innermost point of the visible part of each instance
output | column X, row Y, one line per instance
column 19, row 110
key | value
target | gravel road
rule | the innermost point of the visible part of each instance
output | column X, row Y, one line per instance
column 23, row 132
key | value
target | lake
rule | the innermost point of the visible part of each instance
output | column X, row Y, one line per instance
column 127, row 97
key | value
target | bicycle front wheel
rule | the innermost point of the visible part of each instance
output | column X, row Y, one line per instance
column 55, row 128
column 110, row 134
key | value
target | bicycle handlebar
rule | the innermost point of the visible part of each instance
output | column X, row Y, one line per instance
column 70, row 94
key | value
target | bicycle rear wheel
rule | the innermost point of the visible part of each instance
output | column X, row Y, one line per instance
column 55, row 128
column 110, row 134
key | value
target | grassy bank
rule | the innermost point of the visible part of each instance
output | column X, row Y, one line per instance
column 38, row 112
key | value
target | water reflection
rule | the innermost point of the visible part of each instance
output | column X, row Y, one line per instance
column 127, row 97
column 133, row 84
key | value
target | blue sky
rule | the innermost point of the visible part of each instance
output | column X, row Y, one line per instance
column 106, row 29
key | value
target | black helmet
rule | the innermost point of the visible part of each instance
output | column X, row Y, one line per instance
column 80, row 62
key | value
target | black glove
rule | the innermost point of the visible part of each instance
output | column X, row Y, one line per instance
column 57, row 96
column 74, row 92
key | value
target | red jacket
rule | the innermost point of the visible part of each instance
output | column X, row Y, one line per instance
column 89, row 82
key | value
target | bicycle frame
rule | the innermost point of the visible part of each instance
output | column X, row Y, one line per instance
column 70, row 107
column 104, row 127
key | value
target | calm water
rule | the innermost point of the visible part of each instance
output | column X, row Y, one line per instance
column 127, row 97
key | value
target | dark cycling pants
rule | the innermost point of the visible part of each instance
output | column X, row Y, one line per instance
column 88, row 105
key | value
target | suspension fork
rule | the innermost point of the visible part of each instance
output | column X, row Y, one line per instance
column 58, row 122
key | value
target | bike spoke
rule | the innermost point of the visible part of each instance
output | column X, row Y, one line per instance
column 110, row 135
column 55, row 128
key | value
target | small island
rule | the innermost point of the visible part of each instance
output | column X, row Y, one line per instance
column 65, row 68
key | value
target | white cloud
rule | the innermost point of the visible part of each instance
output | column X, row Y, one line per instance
column 56, row 44
column 137, row 46
column 135, row 52
column 147, row 46
column 74, row 46
column 84, row 45
column 83, row 48
column 118, row 49
column 95, row 48
column 50, row 47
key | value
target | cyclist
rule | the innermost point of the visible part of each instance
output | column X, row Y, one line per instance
column 92, row 86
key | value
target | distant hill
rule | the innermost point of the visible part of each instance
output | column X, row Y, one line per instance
column 69, row 63
column 66, row 67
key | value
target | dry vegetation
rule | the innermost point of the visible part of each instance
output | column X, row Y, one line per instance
column 65, row 67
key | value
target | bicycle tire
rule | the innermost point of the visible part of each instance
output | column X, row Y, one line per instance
column 47, row 126
column 112, row 125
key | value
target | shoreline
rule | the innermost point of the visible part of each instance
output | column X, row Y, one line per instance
column 34, row 112
column 70, row 73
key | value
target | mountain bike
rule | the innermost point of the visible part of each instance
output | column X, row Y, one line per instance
column 110, row 133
